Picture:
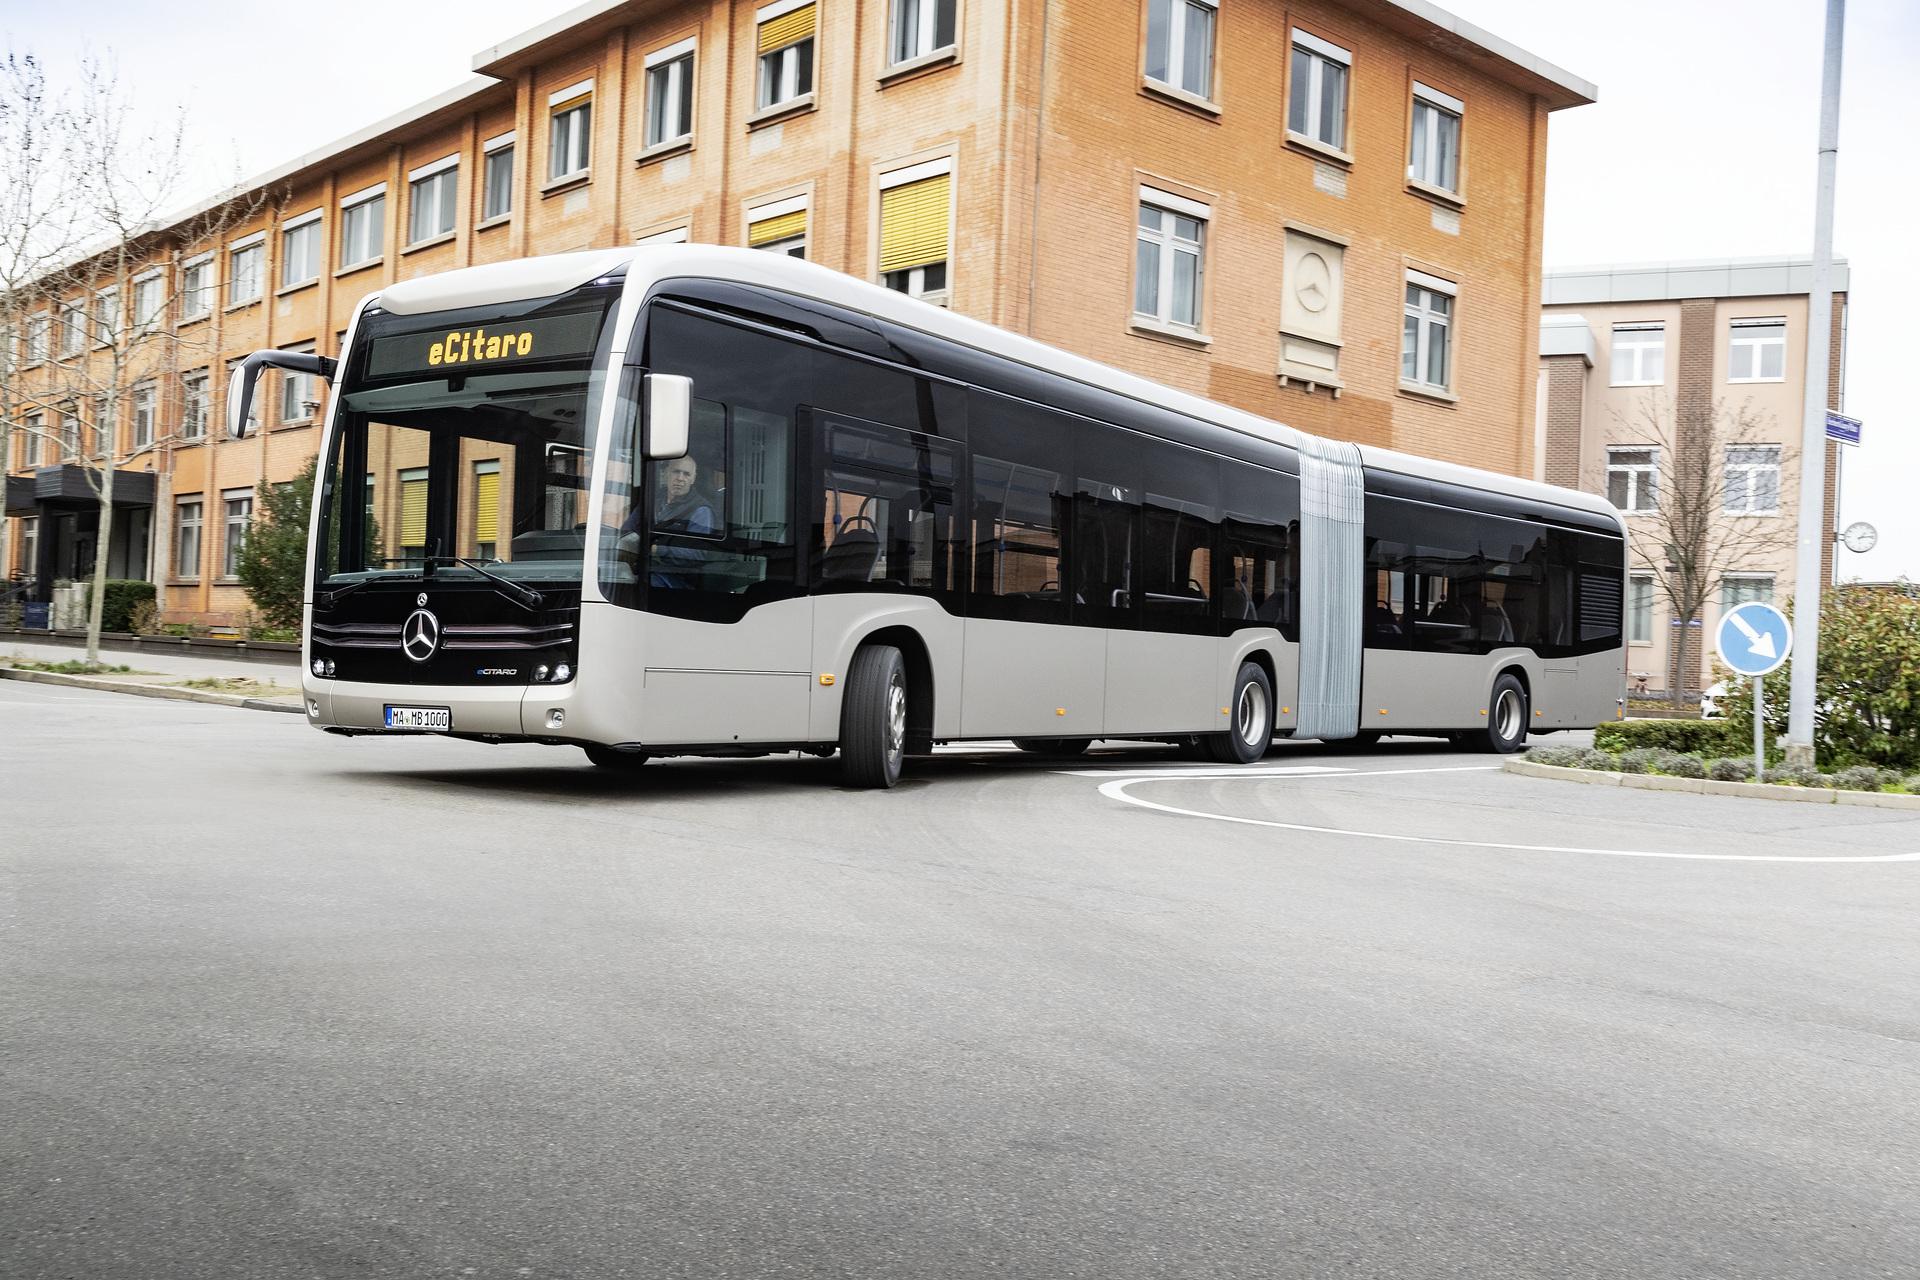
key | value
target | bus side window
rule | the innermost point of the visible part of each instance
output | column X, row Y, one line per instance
column 1182, row 518
column 1259, row 554
column 1022, row 455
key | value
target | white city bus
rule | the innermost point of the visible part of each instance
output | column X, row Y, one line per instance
column 689, row 500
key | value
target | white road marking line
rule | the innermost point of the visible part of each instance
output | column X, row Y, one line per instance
column 1117, row 790
column 1280, row 771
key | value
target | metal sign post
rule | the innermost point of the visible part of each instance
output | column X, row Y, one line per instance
column 1754, row 639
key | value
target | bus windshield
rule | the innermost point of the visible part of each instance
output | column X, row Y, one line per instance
column 461, row 443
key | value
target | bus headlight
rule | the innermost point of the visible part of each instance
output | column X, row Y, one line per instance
column 563, row 672
column 319, row 666
column 540, row 674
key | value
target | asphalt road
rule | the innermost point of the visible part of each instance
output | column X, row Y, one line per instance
column 275, row 1004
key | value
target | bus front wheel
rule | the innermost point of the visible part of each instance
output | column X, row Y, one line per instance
column 873, row 718
column 1251, row 730
column 1506, row 730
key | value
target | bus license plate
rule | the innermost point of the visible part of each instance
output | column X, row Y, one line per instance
column 434, row 719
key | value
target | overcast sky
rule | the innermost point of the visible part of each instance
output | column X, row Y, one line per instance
column 1701, row 146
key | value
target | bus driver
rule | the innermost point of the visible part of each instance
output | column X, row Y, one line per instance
column 682, row 509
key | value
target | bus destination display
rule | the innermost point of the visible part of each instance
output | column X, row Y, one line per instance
column 485, row 346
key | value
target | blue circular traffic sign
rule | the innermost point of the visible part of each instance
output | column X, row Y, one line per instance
column 1753, row 638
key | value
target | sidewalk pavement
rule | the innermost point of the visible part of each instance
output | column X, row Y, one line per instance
column 176, row 666
column 162, row 675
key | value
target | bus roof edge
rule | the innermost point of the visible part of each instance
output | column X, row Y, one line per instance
column 498, row 282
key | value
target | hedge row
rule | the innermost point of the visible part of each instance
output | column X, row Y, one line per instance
column 1701, row 737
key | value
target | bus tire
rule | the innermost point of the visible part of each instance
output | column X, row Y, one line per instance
column 618, row 761
column 1054, row 746
column 873, row 718
column 1507, row 716
column 1252, row 719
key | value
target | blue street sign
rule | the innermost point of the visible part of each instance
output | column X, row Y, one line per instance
column 1753, row 638
column 1845, row 430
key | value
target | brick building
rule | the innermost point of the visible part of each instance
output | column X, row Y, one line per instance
column 1657, row 372
column 1328, row 213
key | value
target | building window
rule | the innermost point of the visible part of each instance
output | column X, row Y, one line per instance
column 239, row 514
column 38, row 326
column 300, row 249
column 780, row 227
column 149, row 301
column 1426, row 333
column 73, row 329
column 1633, row 479
column 1169, row 258
column 1745, row 588
column 786, row 51
column 30, row 546
column 498, row 199
column 196, row 286
column 432, row 191
column 36, row 428
column 570, row 131
column 193, row 405
column 1640, row 609
column 363, row 226
column 69, row 434
column 1639, row 354
column 1435, row 156
column 298, row 391
column 106, row 316
column 186, row 538
column 1317, row 94
column 1753, row 480
column 670, row 94
column 915, row 205
column 675, row 235
column 247, row 268
column 917, row 28
column 486, row 508
column 1758, row 352
column 144, row 402
column 413, row 517
column 1180, row 45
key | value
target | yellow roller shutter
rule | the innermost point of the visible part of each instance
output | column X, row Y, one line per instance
column 787, row 224
column 913, row 223
column 413, row 508
column 787, row 28
column 486, row 502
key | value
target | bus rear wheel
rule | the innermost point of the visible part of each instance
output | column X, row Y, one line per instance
column 1507, row 711
column 873, row 718
column 619, row 761
column 1251, row 732
column 1054, row 746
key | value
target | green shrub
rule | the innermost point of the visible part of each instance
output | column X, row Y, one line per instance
column 1678, row 765
column 119, row 600
column 1731, row 769
column 1794, row 775
column 1561, row 757
column 1589, row 758
column 1638, row 760
column 1863, row 777
column 1707, row 737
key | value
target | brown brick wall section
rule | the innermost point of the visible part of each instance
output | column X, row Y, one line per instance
column 1566, row 418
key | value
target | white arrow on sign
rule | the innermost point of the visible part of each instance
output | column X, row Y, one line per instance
column 1760, row 644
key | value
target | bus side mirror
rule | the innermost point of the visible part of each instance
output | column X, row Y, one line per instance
column 246, row 376
column 668, row 400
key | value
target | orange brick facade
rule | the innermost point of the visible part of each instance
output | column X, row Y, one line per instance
column 1049, row 125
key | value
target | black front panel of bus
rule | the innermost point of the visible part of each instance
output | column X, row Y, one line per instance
column 479, row 636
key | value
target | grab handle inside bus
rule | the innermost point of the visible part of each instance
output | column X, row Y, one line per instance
column 668, row 398
column 246, row 375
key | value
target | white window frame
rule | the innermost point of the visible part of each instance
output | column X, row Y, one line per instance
column 1424, row 160
column 36, row 424
column 570, row 132
column 76, row 317
column 779, row 209
column 149, row 301
column 196, row 290
column 1169, row 247
column 1747, row 587
column 491, row 162
column 106, row 315
column 1176, row 52
column 1642, row 479
column 911, row 36
column 669, row 94
column 300, row 249
column 298, row 390
column 30, row 546
column 778, row 71
column 358, row 213
column 246, row 269
column 1427, row 317
column 1749, row 472
column 1311, row 90
column 146, row 410
column 1757, row 347
column 187, row 522
column 72, row 432
column 1640, row 608
column 672, row 235
column 439, row 185
column 39, row 331
column 1637, row 341
column 196, row 389
column 232, row 543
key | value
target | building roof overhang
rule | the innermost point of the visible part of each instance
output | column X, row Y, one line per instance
column 1690, row 278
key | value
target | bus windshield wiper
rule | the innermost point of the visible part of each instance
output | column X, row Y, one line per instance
column 525, row 597
column 327, row 599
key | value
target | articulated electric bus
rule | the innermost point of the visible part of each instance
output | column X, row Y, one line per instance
column 701, row 501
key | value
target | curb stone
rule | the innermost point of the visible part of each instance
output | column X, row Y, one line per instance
column 1707, row 786
column 148, row 690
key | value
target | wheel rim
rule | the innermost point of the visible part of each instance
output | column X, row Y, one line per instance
column 896, row 718
column 1250, row 713
column 1507, row 713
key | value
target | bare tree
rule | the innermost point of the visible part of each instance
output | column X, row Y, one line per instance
column 1693, row 524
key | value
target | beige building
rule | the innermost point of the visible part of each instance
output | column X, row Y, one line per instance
column 1327, row 213
column 1677, row 390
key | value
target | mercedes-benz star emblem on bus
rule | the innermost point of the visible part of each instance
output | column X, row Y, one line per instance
column 420, row 637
